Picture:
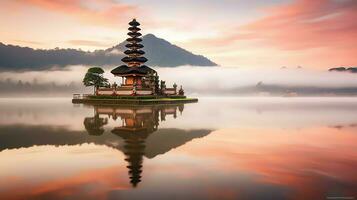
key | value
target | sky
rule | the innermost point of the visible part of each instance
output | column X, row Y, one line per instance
column 316, row 34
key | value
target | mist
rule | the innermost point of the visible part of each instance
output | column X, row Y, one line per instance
column 214, row 81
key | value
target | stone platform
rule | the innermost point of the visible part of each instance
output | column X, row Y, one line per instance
column 132, row 100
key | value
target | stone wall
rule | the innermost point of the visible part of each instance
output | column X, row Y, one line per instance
column 123, row 91
column 169, row 91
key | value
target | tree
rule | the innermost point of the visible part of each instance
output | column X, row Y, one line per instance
column 94, row 125
column 94, row 77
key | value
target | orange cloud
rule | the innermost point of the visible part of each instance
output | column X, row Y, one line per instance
column 319, row 33
column 97, row 12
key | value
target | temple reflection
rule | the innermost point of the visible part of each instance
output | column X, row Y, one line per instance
column 137, row 123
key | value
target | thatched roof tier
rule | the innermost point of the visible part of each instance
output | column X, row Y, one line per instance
column 134, row 46
column 134, row 23
column 134, row 40
column 134, row 34
column 125, row 70
column 134, row 29
column 134, row 59
column 137, row 52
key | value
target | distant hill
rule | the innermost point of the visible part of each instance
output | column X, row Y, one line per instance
column 160, row 53
column 25, row 58
column 344, row 69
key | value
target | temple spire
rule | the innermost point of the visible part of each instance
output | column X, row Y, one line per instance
column 134, row 53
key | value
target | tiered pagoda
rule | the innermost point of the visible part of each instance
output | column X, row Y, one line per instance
column 137, row 78
column 134, row 73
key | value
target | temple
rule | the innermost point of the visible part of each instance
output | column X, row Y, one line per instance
column 137, row 78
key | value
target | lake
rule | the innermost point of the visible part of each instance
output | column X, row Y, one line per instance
column 218, row 148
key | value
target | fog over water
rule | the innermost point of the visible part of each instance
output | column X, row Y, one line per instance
column 209, row 80
column 227, row 112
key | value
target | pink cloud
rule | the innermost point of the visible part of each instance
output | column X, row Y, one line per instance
column 318, row 33
column 308, row 24
column 96, row 12
column 300, row 25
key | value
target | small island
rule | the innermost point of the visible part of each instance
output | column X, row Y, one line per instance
column 140, row 84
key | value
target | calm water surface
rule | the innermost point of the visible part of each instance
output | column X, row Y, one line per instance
column 219, row 148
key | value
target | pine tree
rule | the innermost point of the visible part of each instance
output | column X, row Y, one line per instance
column 94, row 77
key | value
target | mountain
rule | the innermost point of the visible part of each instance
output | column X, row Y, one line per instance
column 24, row 58
column 162, row 53
column 159, row 52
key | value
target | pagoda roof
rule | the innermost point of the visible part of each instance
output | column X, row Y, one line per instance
column 134, row 23
column 135, row 45
column 140, row 52
column 124, row 70
column 134, row 29
column 146, row 68
column 128, row 59
column 134, row 40
column 134, row 34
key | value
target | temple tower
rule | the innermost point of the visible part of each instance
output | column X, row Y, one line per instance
column 133, row 71
column 134, row 53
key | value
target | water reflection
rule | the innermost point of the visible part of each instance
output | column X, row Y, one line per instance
column 285, row 148
column 133, row 126
column 94, row 125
